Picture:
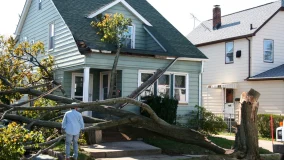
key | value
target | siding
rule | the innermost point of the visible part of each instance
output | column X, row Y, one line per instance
column 215, row 69
column 36, row 27
column 272, row 95
column 130, row 67
column 274, row 30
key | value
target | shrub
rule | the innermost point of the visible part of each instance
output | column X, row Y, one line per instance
column 206, row 122
column 13, row 138
column 263, row 124
column 165, row 108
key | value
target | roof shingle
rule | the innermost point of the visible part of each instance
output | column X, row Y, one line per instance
column 74, row 14
column 234, row 25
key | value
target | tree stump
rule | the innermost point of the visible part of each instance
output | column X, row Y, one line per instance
column 247, row 138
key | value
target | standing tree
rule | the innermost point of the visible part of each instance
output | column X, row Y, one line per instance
column 113, row 29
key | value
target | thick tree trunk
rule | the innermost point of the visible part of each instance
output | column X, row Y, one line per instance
column 248, row 140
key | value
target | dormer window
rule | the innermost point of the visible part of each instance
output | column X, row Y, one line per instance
column 229, row 53
column 268, row 50
column 39, row 4
column 51, row 36
column 129, row 41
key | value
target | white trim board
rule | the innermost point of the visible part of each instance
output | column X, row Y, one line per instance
column 124, row 3
column 23, row 17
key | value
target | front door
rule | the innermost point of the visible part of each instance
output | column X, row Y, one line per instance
column 229, row 108
column 104, row 84
column 77, row 86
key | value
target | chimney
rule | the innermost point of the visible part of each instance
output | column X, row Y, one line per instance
column 217, row 16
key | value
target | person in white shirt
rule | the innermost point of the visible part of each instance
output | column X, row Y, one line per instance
column 72, row 124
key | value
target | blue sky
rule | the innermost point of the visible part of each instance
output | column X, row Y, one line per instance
column 178, row 12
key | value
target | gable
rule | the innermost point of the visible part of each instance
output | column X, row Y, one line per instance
column 126, row 6
column 75, row 15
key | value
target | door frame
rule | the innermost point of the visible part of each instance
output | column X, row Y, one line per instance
column 101, row 82
column 91, row 81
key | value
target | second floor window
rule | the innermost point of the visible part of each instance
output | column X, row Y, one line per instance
column 268, row 49
column 51, row 36
column 229, row 55
column 129, row 38
column 39, row 4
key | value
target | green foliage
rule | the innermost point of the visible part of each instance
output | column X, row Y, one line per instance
column 206, row 122
column 20, row 67
column 112, row 28
column 165, row 108
column 13, row 138
column 263, row 124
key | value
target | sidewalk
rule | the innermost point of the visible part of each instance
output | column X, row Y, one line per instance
column 265, row 144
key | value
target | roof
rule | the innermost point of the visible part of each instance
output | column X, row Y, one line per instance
column 235, row 25
column 75, row 16
column 274, row 73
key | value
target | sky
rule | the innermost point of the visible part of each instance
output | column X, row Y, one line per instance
column 177, row 12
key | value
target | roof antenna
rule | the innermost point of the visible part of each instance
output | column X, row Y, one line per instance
column 195, row 19
column 251, row 27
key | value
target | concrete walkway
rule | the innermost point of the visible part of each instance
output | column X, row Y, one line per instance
column 265, row 144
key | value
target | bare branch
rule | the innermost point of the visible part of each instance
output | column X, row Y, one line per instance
column 5, row 81
column 6, row 112
column 41, row 96
column 51, row 146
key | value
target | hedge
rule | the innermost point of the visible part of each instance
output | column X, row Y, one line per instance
column 264, row 124
column 165, row 108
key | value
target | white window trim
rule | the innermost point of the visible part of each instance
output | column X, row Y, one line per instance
column 49, row 36
column 268, row 61
column 123, row 2
column 73, row 83
column 133, row 36
column 169, row 73
column 226, row 52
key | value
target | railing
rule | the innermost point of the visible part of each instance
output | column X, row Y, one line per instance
column 230, row 120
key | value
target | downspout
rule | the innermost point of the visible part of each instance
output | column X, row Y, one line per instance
column 200, row 84
column 249, row 58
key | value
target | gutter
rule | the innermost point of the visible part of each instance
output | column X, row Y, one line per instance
column 265, row 79
column 200, row 84
column 249, row 58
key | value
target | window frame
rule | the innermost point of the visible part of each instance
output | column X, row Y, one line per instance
column 186, row 102
column 226, row 52
column 132, row 37
column 272, row 51
column 39, row 4
column 50, row 33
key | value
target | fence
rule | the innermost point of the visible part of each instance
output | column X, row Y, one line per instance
column 230, row 120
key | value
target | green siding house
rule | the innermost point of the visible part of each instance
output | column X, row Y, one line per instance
column 83, row 62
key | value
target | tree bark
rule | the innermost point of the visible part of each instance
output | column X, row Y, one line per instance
column 248, row 128
column 113, row 72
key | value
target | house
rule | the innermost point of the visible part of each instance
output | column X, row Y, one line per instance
column 83, row 62
column 245, row 50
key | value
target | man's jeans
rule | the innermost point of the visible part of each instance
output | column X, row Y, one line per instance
column 71, row 138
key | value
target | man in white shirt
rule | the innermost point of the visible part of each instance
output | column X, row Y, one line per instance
column 72, row 124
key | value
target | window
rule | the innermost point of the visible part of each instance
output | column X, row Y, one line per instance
column 180, row 88
column 164, row 86
column 129, row 41
column 39, row 4
column 168, row 85
column 150, row 90
column 268, row 50
column 51, row 36
column 229, row 57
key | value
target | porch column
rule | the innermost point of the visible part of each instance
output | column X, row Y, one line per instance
column 86, row 84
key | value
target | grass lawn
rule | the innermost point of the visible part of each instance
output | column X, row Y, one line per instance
column 175, row 148
column 82, row 155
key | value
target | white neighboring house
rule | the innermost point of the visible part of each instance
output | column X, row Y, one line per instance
column 245, row 50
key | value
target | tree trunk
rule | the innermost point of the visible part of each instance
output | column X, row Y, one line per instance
column 248, row 128
column 113, row 72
